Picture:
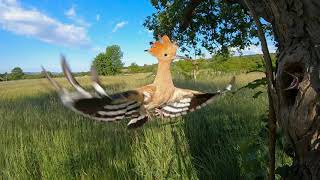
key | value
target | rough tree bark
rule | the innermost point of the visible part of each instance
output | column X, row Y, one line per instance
column 296, row 27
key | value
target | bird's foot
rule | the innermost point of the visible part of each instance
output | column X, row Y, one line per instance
column 159, row 113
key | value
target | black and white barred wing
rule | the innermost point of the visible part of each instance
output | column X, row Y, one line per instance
column 120, row 106
column 99, row 105
column 188, row 101
column 186, row 104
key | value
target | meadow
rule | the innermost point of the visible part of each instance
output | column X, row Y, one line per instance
column 41, row 139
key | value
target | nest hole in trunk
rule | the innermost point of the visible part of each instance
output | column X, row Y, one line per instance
column 287, row 79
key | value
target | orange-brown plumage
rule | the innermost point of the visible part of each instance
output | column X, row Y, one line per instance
column 160, row 98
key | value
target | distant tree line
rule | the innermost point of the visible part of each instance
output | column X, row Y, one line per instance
column 110, row 63
column 135, row 68
column 16, row 74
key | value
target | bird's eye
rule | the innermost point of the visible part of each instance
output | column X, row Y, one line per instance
column 166, row 54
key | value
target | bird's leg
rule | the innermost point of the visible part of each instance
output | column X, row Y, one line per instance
column 159, row 113
column 149, row 115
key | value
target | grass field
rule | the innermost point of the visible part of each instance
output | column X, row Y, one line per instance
column 40, row 139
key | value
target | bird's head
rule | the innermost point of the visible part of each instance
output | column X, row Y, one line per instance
column 164, row 50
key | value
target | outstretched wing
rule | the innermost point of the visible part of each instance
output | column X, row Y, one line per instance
column 186, row 104
column 99, row 105
column 185, row 101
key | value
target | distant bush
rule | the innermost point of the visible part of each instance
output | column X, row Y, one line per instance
column 16, row 73
column 182, row 69
column 109, row 62
column 135, row 68
column 4, row 77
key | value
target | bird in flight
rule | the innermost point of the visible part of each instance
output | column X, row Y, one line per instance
column 161, row 98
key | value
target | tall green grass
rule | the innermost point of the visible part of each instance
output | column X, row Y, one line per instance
column 41, row 139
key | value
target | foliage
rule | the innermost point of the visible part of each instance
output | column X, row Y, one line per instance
column 134, row 68
column 218, row 26
column 183, row 69
column 219, row 64
column 109, row 62
column 4, row 76
column 16, row 73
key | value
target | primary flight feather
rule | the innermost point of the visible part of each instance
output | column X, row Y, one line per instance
column 161, row 98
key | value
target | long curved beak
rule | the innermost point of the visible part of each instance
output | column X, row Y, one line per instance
column 183, row 57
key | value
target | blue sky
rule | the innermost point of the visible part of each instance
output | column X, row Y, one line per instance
column 36, row 32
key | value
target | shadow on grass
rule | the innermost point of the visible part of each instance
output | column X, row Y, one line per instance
column 215, row 132
column 44, row 140
column 212, row 150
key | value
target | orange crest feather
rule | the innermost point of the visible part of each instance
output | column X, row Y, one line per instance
column 159, row 47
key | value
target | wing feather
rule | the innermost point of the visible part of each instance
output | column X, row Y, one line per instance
column 187, row 104
column 186, row 101
column 71, row 79
column 101, row 106
column 97, row 84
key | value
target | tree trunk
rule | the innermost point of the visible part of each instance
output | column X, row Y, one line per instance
column 296, row 28
column 296, row 25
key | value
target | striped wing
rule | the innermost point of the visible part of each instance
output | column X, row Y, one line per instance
column 186, row 104
column 120, row 106
column 189, row 101
column 99, row 105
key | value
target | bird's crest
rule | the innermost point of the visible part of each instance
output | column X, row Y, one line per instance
column 163, row 46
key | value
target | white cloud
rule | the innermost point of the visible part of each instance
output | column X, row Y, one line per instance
column 33, row 23
column 119, row 25
column 8, row 2
column 71, row 13
column 98, row 17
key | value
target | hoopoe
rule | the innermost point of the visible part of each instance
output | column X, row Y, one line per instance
column 161, row 98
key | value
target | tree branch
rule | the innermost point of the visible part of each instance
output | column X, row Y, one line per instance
column 193, row 4
column 189, row 11
column 270, row 80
